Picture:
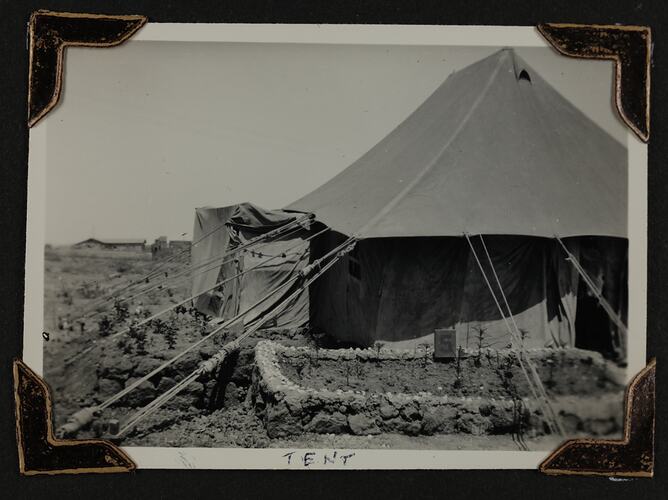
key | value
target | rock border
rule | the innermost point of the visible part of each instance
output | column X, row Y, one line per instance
column 289, row 408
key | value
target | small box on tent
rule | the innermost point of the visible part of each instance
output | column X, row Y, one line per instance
column 445, row 343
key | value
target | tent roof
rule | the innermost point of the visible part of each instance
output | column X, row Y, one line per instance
column 494, row 150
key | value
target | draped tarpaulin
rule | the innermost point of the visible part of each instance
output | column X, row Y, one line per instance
column 210, row 238
column 238, row 224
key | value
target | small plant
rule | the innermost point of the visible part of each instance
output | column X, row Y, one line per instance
column 200, row 320
column 348, row 368
column 167, row 330
column 489, row 356
column 158, row 326
column 203, row 328
column 425, row 358
column 458, row 369
column 359, row 369
column 125, row 346
column 481, row 343
column 104, row 326
column 138, row 333
column 121, row 310
column 378, row 345
column 315, row 359
column 551, row 362
column 170, row 335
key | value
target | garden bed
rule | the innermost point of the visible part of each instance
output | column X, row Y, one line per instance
column 371, row 391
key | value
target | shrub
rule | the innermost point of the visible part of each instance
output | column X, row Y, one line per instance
column 138, row 333
column 121, row 309
column 167, row 330
column 104, row 326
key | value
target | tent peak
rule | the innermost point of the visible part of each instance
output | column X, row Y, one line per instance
column 495, row 149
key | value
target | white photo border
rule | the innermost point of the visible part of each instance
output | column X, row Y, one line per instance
column 275, row 458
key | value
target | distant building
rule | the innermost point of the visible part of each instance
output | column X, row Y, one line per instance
column 162, row 247
column 132, row 245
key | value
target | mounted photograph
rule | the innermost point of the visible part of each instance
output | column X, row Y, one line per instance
column 348, row 240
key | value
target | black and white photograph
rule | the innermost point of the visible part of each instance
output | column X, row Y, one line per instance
column 349, row 240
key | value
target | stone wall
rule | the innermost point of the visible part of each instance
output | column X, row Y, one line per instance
column 288, row 408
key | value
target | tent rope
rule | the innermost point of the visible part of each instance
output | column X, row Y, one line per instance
column 189, row 272
column 518, row 336
column 113, row 294
column 554, row 425
column 172, row 360
column 222, row 326
column 185, row 301
column 210, row 365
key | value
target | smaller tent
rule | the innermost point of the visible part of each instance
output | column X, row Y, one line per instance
column 248, row 274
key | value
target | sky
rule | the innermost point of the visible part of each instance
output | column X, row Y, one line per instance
column 148, row 131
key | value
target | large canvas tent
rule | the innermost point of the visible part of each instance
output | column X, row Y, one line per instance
column 494, row 151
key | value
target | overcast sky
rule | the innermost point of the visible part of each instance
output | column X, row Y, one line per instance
column 148, row 131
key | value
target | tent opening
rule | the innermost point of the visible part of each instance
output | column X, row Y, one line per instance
column 592, row 324
column 524, row 75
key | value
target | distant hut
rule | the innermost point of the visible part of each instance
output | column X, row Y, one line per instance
column 131, row 245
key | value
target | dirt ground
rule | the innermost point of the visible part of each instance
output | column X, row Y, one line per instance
column 486, row 376
column 78, row 282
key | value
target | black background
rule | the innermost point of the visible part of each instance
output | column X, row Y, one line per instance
column 14, row 16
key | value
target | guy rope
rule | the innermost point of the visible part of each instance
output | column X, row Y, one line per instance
column 95, row 343
column 201, row 268
column 535, row 384
column 213, row 287
column 305, row 219
column 316, row 270
column 308, row 275
column 204, row 266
